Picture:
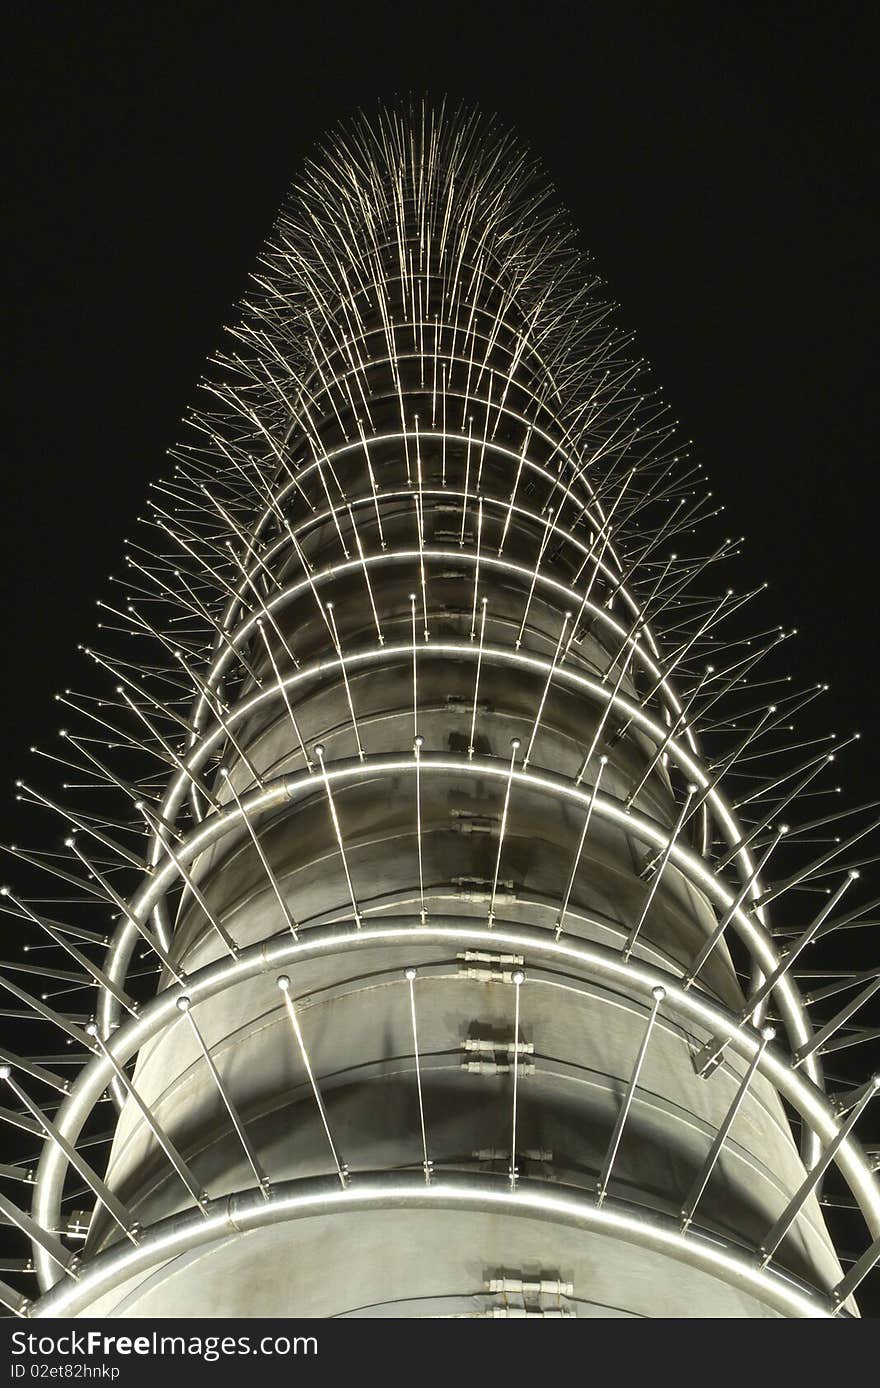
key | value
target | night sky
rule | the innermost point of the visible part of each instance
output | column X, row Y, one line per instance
column 717, row 162
column 716, row 158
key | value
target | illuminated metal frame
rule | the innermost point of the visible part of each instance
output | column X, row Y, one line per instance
column 797, row 1078
column 751, row 928
column 268, row 957
column 256, row 803
column 242, row 1213
column 72, row 1115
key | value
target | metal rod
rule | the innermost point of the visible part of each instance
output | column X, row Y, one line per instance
column 415, row 668
column 114, row 1206
column 502, row 828
column 14, row 1301
column 702, row 1179
column 319, row 753
column 790, row 955
column 342, row 666
column 284, row 986
column 184, row 1005
column 629, row 645
column 774, row 1237
column 473, row 630
column 658, row 874
column 66, row 1260
column 484, row 602
column 267, row 867
column 100, row 977
column 818, row 1041
column 187, row 877
column 745, row 888
column 560, row 919
column 517, row 980
column 180, row 1165
column 856, row 1275
column 546, row 690
column 418, row 743
column 410, row 975
column 280, row 682
column 658, row 994
column 120, row 902
column 38, row 1007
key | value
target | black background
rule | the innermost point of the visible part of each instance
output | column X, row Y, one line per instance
column 717, row 159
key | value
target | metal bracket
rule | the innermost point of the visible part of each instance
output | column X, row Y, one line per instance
column 479, row 889
column 489, row 968
column 465, row 822
column 497, row 1056
column 707, row 1059
column 492, row 1154
column 532, row 1293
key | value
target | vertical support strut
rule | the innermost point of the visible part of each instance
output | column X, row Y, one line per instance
column 702, row 1179
column 410, row 975
column 517, row 979
column 658, row 875
column 659, row 993
column 502, row 828
column 199, row 1196
column 184, row 1005
column 284, row 986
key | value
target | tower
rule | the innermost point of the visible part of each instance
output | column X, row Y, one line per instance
column 445, row 976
